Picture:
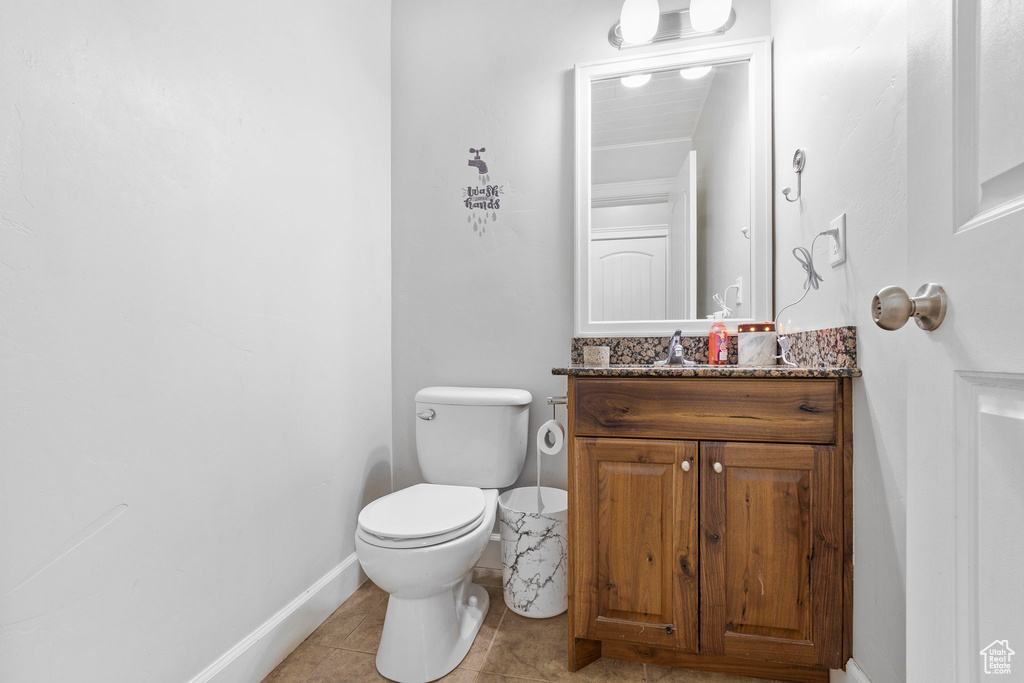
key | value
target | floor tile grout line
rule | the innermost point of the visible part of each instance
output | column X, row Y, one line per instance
column 362, row 618
column 317, row 667
column 497, row 630
column 335, row 648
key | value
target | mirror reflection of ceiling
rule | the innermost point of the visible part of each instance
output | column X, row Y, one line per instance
column 644, row 133
column 667, row 107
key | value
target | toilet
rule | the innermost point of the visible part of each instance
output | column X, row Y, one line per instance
column 420, row 544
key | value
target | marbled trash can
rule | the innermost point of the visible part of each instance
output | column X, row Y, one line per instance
column 533, row 550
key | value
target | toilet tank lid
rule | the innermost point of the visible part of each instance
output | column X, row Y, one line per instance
column 474, row 396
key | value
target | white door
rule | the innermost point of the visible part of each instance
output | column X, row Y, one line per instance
column 628, row 278
column 965, row 432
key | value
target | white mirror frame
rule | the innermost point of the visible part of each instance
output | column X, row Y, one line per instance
column 758, row 296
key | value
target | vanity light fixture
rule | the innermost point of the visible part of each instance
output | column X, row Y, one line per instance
column 669, row 26
column 709, row 15
column 694, row 72
column 639, row 20
column 635, row 80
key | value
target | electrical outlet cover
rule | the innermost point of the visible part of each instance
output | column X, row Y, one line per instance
column 837, row 245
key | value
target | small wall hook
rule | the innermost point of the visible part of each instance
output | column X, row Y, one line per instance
column 799, row 158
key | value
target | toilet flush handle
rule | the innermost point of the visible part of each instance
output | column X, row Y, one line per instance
column 427, row 414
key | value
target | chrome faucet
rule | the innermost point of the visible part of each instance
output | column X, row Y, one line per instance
column 675, row 352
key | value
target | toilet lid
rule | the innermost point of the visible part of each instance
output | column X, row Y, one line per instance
column 423, row 510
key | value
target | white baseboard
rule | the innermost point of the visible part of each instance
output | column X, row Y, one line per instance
column 258, row 653
column 491, row 559
column 853, row 674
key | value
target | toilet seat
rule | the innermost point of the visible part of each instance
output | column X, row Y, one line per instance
column 422, row 515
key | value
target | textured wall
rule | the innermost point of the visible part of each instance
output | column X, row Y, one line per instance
column 496, row 309
column 840, row 93
column 194, row 243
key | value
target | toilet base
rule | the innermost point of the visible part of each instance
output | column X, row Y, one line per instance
column 426, row 638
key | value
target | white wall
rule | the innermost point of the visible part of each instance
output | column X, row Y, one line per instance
column 194, row 322
column 723, row 145
column 840, row 93
column 497, row 309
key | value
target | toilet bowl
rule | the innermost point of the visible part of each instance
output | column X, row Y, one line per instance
column 420, row 544
column 434, row 610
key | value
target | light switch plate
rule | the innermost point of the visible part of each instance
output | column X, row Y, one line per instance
column 837, row 245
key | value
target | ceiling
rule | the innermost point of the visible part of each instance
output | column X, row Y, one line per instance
column 665, row 108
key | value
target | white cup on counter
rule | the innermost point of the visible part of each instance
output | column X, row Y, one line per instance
column 596, row 356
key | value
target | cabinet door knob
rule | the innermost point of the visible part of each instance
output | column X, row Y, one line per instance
column 686, row 466
column 718, row 467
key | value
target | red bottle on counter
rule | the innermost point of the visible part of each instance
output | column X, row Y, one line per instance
column 718, row 344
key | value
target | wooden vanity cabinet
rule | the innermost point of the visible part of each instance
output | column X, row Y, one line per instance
column 640, row 583
column 711, row 523
column 770, row 553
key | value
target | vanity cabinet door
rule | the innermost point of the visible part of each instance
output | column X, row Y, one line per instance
column 771, row 552
column 636, row 544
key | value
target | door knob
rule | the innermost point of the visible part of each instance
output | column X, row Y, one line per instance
column 717, row 467
column 686, row 466
column 892, row 308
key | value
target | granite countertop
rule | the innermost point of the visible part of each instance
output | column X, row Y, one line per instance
column 767, row 372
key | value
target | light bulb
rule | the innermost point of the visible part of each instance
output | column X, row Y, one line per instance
column 709, row 15
column 635, row 81
column 695, row 72
column 639, row 20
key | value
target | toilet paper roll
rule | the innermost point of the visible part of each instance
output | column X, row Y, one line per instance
column 550, row 437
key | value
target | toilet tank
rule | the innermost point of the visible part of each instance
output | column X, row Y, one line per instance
column 473, row 437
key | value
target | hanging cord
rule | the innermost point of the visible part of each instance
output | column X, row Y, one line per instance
column 721, row 302
column 814, row 279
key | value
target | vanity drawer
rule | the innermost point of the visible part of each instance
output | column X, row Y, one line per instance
column 775, row 410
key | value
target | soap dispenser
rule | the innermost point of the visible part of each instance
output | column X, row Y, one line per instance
column 718, row 344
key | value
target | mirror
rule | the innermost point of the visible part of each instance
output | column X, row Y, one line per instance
column 673, row 213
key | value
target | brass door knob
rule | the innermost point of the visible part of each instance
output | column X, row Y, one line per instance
column 892, row 308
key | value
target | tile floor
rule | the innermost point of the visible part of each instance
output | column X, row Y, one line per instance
column 508, row 649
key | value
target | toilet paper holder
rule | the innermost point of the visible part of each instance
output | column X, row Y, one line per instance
column 557, row 401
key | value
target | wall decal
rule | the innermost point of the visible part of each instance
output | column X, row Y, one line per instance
column 481, row 198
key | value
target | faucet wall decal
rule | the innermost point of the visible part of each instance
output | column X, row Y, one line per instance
column 480, row 164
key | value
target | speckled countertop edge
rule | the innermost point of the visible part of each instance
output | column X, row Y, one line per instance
column 776, row 372
column 833, row 347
